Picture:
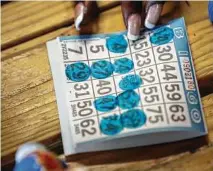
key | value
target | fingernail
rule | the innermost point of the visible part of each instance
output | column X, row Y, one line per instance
column 153, row 15
column 134, row 25
column 80, row 10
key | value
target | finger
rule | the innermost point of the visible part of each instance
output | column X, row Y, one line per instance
column 84, row 12
column 171, row 10
column 153, row 12
column 132, row 17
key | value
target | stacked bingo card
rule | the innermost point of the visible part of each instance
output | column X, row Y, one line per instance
column 110, row 89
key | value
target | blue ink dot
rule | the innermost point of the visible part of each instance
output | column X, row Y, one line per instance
column 123, row 65
column 134, row 118
column 130, row 82
column 102, row 69
column 106, row 103
column 162, row 35
column 111, row 125
column 77, row 71
column 128, row 99
column 116, row 44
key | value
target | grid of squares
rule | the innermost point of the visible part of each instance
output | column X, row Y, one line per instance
column 149, row 64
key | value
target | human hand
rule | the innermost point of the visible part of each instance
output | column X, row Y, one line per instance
column 134, row 15
column 84, row 12
column 137, row 17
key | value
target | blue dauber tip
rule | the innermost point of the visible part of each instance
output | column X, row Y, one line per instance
column 24, row 160
column 210, row 9
column 26, row 149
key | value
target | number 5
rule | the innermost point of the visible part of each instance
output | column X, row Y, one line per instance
column 97, row 48
column 173, row 87
column 141, row 45
column 156, row 119
column 84, row 104
column 152, row 98
column 151, row 90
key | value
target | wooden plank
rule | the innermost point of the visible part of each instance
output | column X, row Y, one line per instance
column 201, row 41
column 30, row 26
column 15, row 6
column 22, row 11
column 192, row 13
column 25, row 9
column 27, row 89
column 30, row 19
column 23, row 47
column 200, row 160
column 193, row 154
column 118, row 156
column 27, row 76
column 168, row 9
column 177, row 9
column 37, row 61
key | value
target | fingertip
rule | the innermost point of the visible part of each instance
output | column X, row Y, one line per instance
column 134, row 26
column 131, row 36
column 80, row 9
column 149, row 25
column 153, row 15
column 78, row 21
column 130, row 7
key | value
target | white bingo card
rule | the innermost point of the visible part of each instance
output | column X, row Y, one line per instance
column 169, row 95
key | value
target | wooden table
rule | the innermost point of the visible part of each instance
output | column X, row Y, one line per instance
column 29, row 111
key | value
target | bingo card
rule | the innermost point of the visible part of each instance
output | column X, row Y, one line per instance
column 108, row 87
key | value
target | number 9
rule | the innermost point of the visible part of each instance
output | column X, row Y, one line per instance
column 174, row 96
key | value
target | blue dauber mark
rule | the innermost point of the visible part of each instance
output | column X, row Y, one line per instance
column 128, row 99
column 102, row 69
column 111, row 125
column 134, row 118
column 162, row 35
column 130, row 82
column 78, row 71
column 106, row 103
column 123, row 65
column 116, row 44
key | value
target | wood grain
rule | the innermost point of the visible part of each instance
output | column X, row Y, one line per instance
column 29, row 111
column 200, row 160
column 170, row 11
column 23, row 47
column 27, row 87
column 22, row 21
column 41, row 70
column 54, row 16
column 194, row 154
column 192, row 13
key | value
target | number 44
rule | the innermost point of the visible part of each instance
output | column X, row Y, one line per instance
column 167, row 69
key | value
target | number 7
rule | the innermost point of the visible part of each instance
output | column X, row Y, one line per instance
column 76, row 51
column 159, row 110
